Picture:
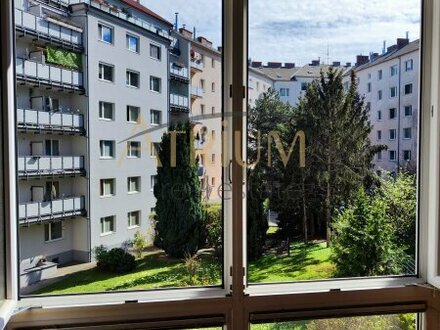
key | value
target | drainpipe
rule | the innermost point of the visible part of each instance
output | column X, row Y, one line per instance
column 398, row 117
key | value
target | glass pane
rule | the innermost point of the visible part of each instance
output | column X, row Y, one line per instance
column 332, row 145
column 163, row 227
column 376, row 322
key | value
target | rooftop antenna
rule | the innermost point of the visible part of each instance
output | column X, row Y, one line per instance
column 384, row 47
column 407, row 35
column 176, row 24
column 328, row 54
column 194, row 33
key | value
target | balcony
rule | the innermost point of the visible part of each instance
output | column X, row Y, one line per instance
column 197, row 65
column 47, row 122
column 36, row 74
column 197, row 91
column 36, row 166
column 179, row 103
column 178, row 72
column 37, row 212
column 48, row 29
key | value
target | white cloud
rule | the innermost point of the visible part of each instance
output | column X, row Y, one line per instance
column 299, row 31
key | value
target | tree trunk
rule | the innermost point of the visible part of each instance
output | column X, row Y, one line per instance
column 304, row 210
column 328, row 214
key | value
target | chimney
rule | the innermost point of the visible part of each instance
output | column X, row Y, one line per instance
column 373, row 56
column 176, row 24
column 315, row 63
column 289, row 65
column 402, row 42
column 336, row 64
column 186, row 33
column 384, row 47
column 194, row 32
column 361, row 59
column 348, row 64
column 204, row 41
column 274, row 65
column 256, row 64
column 220, row 48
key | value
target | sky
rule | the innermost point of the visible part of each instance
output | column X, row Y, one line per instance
column 299, row 31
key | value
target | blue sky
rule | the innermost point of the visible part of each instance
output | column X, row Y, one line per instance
column 301, row 30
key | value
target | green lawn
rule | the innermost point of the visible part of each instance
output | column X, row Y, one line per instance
column 155, row 270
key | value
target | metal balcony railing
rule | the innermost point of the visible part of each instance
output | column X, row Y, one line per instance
column 123, row 14
column 178, row 71
column 197, row 91
column 33, row 212
column 41, row 73
column 48, row 121
column 179, row 101
column 196, row 64
column 49, row 29
column 31, row 166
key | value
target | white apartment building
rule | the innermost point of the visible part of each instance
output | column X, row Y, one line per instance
column 92, row 99
column 389, row 83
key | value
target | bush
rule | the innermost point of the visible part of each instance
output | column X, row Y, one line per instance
column 139, row 243
column 191, row 266
column 212, row 227
column 116, row 260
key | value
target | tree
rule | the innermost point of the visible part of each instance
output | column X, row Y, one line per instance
column 178, row 194
column 139, row 243
column 364, row 242
column 338, row 151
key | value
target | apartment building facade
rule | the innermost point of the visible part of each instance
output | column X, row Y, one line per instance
column 389, row 83
column 91, row 79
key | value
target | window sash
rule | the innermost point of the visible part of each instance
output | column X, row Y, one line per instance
column 107, row 149
column 132, row 43
column 133, row 149
column 106, row 110
column 105, row 33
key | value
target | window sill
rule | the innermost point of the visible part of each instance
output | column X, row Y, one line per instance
column 54, row 240
column 133, row 227
column 106, row 81
column 132, row 87
column 106, row 158
column 133, row 192
column 107, row 234
column 106, row 196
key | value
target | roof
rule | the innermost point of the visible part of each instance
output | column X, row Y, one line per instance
column 411, row 47
column 287, row 74
column 278, row 73
column 145, row 10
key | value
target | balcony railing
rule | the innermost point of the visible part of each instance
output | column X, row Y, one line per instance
column 123, row 15
column 33, row 212
column 179, row 102
column 45, row 121
column 196, row 64
column 48, row 29
column 35, row 166
column 40, row 73
column 197, row 91
column 180, row 72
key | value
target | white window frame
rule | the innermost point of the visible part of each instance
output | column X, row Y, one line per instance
column 132, row 150
column 102, row 144
column 405, row 129
column 103, row 221
column 101, row 72
column 101, row 115
column 135, row 108
column 411, row 110
column 102, row 187
column 152, row 116
column 392, row 159
column 137, row 182
column 101, row 26
column 152, row 79
column 159, row 52
column 393, row 89
column 128, row 36
column 393, row 136
column 130, row 218
column 153, row 181
column 409, row 65
column 394, row 70
column 129, row 75
column 49, row 226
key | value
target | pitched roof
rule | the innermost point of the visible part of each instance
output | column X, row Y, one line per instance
column 145, row 10
column 411, row 47
column 278, row 73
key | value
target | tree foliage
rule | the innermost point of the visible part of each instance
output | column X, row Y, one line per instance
column 178, row 195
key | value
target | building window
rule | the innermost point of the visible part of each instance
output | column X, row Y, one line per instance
column 108, row 225
column 379, row 74
column 154, row 149
column 107, row 187
column 213, row 63
column 408, row 89
column 106, row 110
column 379, row 135
column 213, row 110
column 134, row 184
column 153, row 181
column 392, row 113
column 379, row 115
column 202, row 160
column 284, row 91
column 408, row 110
column 213, row 134
column 132, row 79
column 133, row 114
column 52, row 147
column 393, row 91
column 393, row 70
column 392, row 134
column 53, row 231
column 379, row 95
column 107, row 149
column 368, row 106
column 213, row 87
column 133, row 149
column 379, row 155
column 105, row 33
column 132, row 43
column 134, row 219
column 106, row 72
column 202, row 109
column 155, row 117
column 407, row 133
column 155, row 52
column 155, row 84
column 409, row 65
column 392, row 155
column 202, row 83
column 213, row 158
column 369, row 87
column 213, row 181
column 407, row 155
column 304, row 86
